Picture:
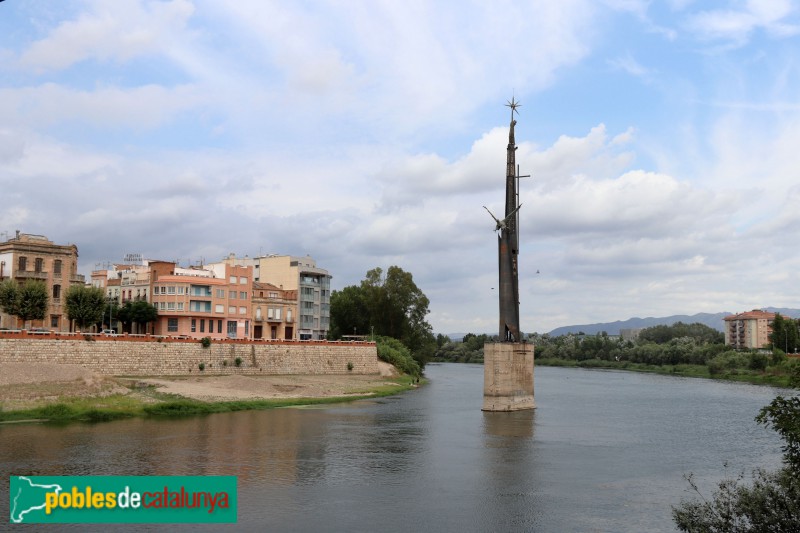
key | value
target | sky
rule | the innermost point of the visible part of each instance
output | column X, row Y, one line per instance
column 662, row 140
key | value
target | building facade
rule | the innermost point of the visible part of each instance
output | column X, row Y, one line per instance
column 750, row 329
column 301, row 274
column 211, row 301
column 34, row 257
column 274, row 312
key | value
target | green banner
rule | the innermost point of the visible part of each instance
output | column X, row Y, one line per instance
column 122, row 499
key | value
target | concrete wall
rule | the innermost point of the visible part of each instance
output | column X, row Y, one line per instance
column 126, row 357
column 508, row 376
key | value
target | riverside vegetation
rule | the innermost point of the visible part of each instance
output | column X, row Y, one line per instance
column 693, row 350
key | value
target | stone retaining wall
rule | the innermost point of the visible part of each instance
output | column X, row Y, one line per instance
column 153, row 357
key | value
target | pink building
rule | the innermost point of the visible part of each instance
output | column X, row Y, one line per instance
column 205, row 302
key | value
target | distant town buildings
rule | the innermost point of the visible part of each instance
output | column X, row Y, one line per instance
column 750, row 329
column 33, row 257
column 278, row 297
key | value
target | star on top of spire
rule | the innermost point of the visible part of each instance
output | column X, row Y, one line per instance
column 513, row 104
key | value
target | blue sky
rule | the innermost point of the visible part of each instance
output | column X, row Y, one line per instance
column 662, row 139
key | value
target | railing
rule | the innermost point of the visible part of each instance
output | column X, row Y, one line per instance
column 141, row 337
column 31, row 274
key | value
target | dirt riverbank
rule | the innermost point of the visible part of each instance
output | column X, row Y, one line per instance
column 26, row 385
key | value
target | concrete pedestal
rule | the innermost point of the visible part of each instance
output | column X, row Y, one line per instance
column 508, row 376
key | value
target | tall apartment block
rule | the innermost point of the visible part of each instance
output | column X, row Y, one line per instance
column 748, row 330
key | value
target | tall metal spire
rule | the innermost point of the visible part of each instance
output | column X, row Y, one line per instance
column 508, row 246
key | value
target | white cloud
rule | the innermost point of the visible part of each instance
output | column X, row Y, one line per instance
column 109, row 31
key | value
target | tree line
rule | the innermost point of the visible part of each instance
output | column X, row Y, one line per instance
column 86, row 306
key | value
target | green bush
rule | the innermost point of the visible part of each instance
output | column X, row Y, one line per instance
column 349, row 366
column 728, row 362
column 393, row 351
column 201, row 366
column 206, row 342
column 238, row 361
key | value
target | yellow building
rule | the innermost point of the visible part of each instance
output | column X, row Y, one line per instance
column 34, row 257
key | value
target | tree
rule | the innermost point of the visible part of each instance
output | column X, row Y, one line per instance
column 390, row 305
column 771, row 502
column 26, row 302
column 8, row 296
column 349, row 314
column 85, row 305
column 785, row 334
column 137, row 312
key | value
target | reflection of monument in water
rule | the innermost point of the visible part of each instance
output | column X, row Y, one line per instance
column 508, row 364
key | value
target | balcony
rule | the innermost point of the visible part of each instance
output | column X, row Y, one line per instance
column 30, row 274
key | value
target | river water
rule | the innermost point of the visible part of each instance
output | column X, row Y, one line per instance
column 604, row 451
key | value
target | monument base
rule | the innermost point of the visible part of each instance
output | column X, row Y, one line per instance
column 508, row 376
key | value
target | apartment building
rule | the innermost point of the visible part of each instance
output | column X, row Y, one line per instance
column 210, row 301
column 750, row 329
column 274, row 312
column 34, row 257
column 301, row 274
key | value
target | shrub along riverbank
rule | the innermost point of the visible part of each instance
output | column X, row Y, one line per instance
column 692, row 350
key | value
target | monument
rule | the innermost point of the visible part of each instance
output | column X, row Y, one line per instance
column 508, row 364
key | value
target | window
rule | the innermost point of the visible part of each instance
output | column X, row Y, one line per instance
column 202, row 307
column 194, row 325
column 232, row 310
column 232, row 329
column 219, row 326
column 242, row 281
column 242, row 310
column 231, row 294
column 57, row 266
column 56, row 292
column 289, row 315
column 162, row 305
column 23, row 263
column 273, row 295
column 54, row 321
column 200, row 290
column 220, row 293
column 243, row 296
column 155, row 289
column 180, row 306
column 278, row 313
column 219, row 308
column 38, row 265
column 171, row 289
column 172, row 324
column 258, row 313
column 170, row 306
column 180, row 290
column 270, row 312
column 202, row 325
column 233, row 279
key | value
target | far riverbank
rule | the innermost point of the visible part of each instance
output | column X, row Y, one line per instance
column 776, row 377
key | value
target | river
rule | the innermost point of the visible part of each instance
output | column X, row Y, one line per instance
column 604, row 451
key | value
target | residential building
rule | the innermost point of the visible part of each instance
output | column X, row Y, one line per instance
column 210, row 301
column 274, row 312
column 34, row 257
column 301, row 274
column 750, row 329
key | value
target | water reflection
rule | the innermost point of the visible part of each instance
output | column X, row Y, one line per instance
column 607, row 453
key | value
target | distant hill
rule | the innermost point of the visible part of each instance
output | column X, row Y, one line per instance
column 712, row 320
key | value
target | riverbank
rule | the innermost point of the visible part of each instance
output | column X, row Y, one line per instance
column 70, row 392
column 776, row 377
